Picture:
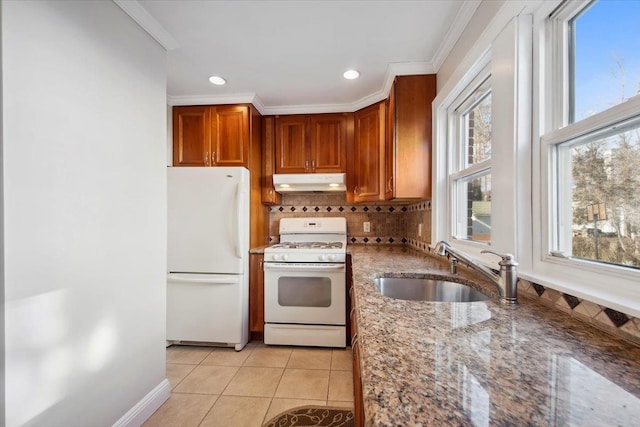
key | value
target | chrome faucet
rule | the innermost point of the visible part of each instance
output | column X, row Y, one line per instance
column 506, row 282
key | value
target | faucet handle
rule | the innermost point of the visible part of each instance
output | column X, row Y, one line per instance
column 507, row 259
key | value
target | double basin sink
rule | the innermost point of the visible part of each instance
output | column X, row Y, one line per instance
column 423, row 289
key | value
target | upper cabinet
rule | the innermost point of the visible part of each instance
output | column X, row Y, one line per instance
column 368, row 168
column 191, row 136
column 291, row 144
column 408, row 139
column 211, row 135
column 269, row 194
column 230, row 137
column 311, row 143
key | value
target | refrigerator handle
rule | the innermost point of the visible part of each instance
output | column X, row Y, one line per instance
column 239, row 222
column 212, row 281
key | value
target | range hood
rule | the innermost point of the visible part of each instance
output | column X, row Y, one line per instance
column 292, row 182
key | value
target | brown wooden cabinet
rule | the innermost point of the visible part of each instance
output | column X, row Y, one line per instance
column 191, row 136
column 256, row 296
column 358, row 399
column 369, row 138
column 408, row 141
column 211, row 135
column 230, row 136
column 269, row 194
column 311, row 143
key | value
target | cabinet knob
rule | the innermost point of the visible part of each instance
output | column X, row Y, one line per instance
column 313, row 165
column 206, row 158
column 213, row 158
column 390, row 184
column 306, row 165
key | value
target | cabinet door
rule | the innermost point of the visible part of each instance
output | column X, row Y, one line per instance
column 389, row 151
column 411, row 145
column 358, row 399
column 230, row 142
column 291, row 145
column 269, row 194
column 369, row 153
column 191, row 136
column 256, row 293
column 328, row 143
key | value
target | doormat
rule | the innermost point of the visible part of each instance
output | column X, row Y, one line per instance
column 313, row 416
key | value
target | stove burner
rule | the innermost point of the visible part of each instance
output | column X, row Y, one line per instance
column 308, row 245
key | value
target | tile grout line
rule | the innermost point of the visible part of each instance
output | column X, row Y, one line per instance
column 277, row 385
column 225, row 387
column 205, row 394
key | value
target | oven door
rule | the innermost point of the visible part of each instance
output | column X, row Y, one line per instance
column 306, row 293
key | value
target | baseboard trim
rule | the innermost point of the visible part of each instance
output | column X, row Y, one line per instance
column 149, row 404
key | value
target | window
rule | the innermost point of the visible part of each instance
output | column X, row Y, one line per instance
column 470, row 151
column 593, row 144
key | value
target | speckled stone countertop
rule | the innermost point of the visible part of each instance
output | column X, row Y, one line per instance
column 483, row 363
column 258, row 250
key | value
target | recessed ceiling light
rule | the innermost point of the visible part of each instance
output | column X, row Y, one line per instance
column 284, row 185
column 351, row 74
column 217, row 80
column 333, row 184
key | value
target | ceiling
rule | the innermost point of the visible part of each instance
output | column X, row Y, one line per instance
column 289, row 56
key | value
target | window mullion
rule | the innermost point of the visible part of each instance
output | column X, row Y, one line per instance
column 474, row 169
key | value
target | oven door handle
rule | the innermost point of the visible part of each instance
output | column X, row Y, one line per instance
column 289, row 266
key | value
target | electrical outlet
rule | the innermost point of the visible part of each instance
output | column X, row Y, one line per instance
column 367, row 227
column 420, row 230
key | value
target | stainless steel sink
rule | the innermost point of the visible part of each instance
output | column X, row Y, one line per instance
column 419, row 289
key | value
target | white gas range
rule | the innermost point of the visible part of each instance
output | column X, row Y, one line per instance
column 305, row 283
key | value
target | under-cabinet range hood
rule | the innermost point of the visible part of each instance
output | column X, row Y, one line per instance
column 292, row 182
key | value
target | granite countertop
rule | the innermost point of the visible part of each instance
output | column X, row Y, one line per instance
column 483, row 363
column 258, row 249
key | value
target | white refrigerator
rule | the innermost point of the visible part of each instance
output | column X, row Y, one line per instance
column 208, row 256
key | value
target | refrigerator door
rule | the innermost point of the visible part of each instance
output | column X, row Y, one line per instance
column 207, row 308
column 208, row 219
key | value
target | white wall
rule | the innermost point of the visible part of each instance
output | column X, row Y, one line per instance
column 2, row 347
column 485, row 12
column 84, row 94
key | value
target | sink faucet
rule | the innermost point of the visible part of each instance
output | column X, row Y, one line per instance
column 506, row 282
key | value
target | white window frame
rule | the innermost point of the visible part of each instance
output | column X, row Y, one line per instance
column 457, row 138
column 583, row 278
column 506, row 47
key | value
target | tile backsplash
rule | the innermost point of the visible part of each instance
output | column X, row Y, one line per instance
column 390, row 224
column 606, row 319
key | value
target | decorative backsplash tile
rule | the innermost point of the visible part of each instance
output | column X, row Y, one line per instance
column 604, row 318
column 388, row 222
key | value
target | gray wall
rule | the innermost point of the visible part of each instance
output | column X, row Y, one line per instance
column 84, row 95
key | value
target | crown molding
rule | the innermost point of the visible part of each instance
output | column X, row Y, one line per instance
column 460, row 22
column 148, row 23
column 240, row 98
column 257, row 102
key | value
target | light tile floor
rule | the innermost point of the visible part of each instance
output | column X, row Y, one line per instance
column 221, row 387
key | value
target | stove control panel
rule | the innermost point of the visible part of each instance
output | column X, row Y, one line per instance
column 304, row 257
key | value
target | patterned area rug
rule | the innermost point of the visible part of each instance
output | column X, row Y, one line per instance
column 313, row 416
